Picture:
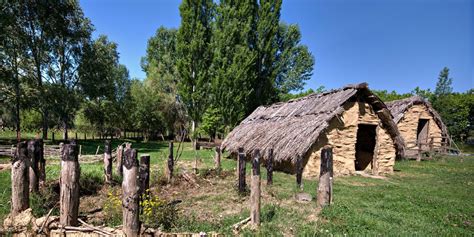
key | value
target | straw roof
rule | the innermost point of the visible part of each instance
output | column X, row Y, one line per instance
column 292, row 127
column 398, row 108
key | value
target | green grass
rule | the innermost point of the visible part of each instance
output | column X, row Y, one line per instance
column 421, row 198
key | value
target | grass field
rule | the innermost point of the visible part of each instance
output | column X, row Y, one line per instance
column 425, row 198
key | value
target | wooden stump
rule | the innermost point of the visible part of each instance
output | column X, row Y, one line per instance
column 325, row 178
column 241, row 170
column 299, row 172
column 217, row 159
column 108, row 162
column 20, row 179
column 130, row 196
column 33, row 158
column 255, row 190
column 270, row 167
column 69, row 185
column 170, row 164
column 120, row 160
column 144, row 173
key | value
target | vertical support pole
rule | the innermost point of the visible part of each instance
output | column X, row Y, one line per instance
column 270, row 167
column 217, row 159
column 130, row 207
column 299, row 172
column 170, row 163
column 20, row 180
column 108, row 162
column 325, row 178
column 241, row 170
column 69, row 185
column 431, row 148
column 255, row 189
column 33, row 158
column 120, row 160
column 42, row 163
column 418, row 158
column 144, row 173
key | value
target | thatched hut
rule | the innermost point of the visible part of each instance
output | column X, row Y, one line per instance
column 354, row 121
column 418, row 122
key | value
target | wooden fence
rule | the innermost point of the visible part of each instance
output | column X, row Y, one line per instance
column 435, row 145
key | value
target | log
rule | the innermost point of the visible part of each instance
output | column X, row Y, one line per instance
column 255, row 189
column 20, row 179
column 130, row 198
column 270, row 167
column 299, row 172
column 69, row 185
column 120, row 160
column 170, row 163
column 108, row 162
column 144, row 174
column 217, row 159
column 33, row 159
column 241, row 170
column 325, row 178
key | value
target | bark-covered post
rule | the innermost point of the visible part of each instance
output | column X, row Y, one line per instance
column 255, row 189
column 270, row 167
column 241, row 170
column 108, row 161
column 130, row 207
column 20, row 180
column 325, row 178
column 69, row 185
column 144, row 173
column 41, row 164
column 33, row 158
column 170, row 163
column 217, row 159
column 120, row 160
column 299, row 172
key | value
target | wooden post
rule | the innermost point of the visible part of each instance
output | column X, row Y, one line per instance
column 217, row 159
column 270, row 167
column 42, row 163
column 325, row 178
column 255, row 189
column 241, row 170
column 170, row 164
column 195, row 145
column 69, row 185
column 52, row 137
column 418, row 158
column 130, row 207
column 76, row 135
column 299, row 172
column 108, row 161
column 20, row 180
column 80, row 151
column 120, row 160
column 430, row 153
column 33, row 159
column 144, row 173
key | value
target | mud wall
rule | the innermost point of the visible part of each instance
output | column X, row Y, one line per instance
column 408, row 125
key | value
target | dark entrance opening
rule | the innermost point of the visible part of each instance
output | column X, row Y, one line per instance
column 422, row 132
column 365, row 145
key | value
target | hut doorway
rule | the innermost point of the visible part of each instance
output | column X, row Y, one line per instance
column 365, row 145
column 422, row 133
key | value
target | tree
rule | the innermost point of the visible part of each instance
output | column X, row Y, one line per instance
column 443, row 86
column 426, row 94
column 386, row 96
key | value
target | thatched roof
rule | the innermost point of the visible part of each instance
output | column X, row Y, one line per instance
column 398, row 108
column 292, row 127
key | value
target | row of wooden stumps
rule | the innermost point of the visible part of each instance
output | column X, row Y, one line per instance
column 324, row 191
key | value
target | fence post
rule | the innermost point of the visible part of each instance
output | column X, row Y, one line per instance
column 119, row 160
column 42, row 163
column 241, row 170
column 20, row 192
column 144, row 173
column 108, row 161
column 130, row 207
column 33, row 158
column 324, row 197
column 299, row 172
column 170, row 164
column 218, row 159
column 255, row 189
column 270, row 167
column 69, row 185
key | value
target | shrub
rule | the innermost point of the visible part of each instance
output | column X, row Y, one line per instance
column 157, row 212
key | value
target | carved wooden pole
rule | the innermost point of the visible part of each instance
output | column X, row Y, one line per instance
column 33, row 158
column 108, row 162
column 217, row 159
column 170, row 163
column 299, row 172
column 255, row 189
column 20, row 180
column 130, row 207
column 325, row 178
column 69, row 185
column 144, row 172
column 270, row 167
column 241, row 170
column 42, row 163
column 119, row 160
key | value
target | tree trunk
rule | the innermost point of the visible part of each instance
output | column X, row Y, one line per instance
column 270, row 167
column 325, row 178
column 130, row 207
column 170, row 165
column 33, row 158
column 20, row 194
column 218, row 159
column 120, row 160
column 69, row 185
column 241, row 170
column 42, row 163
column 108, row 161
column 144, row 173
column 65, row 134
column 255, row 190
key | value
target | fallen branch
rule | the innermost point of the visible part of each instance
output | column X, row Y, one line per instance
column 238, row 226
column 81, row 229
column 46, row 219
column 95, row 228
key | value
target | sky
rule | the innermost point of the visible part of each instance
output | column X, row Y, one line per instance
column 391, row 44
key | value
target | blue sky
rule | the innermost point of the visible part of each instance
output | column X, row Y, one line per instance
column 393, row 45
